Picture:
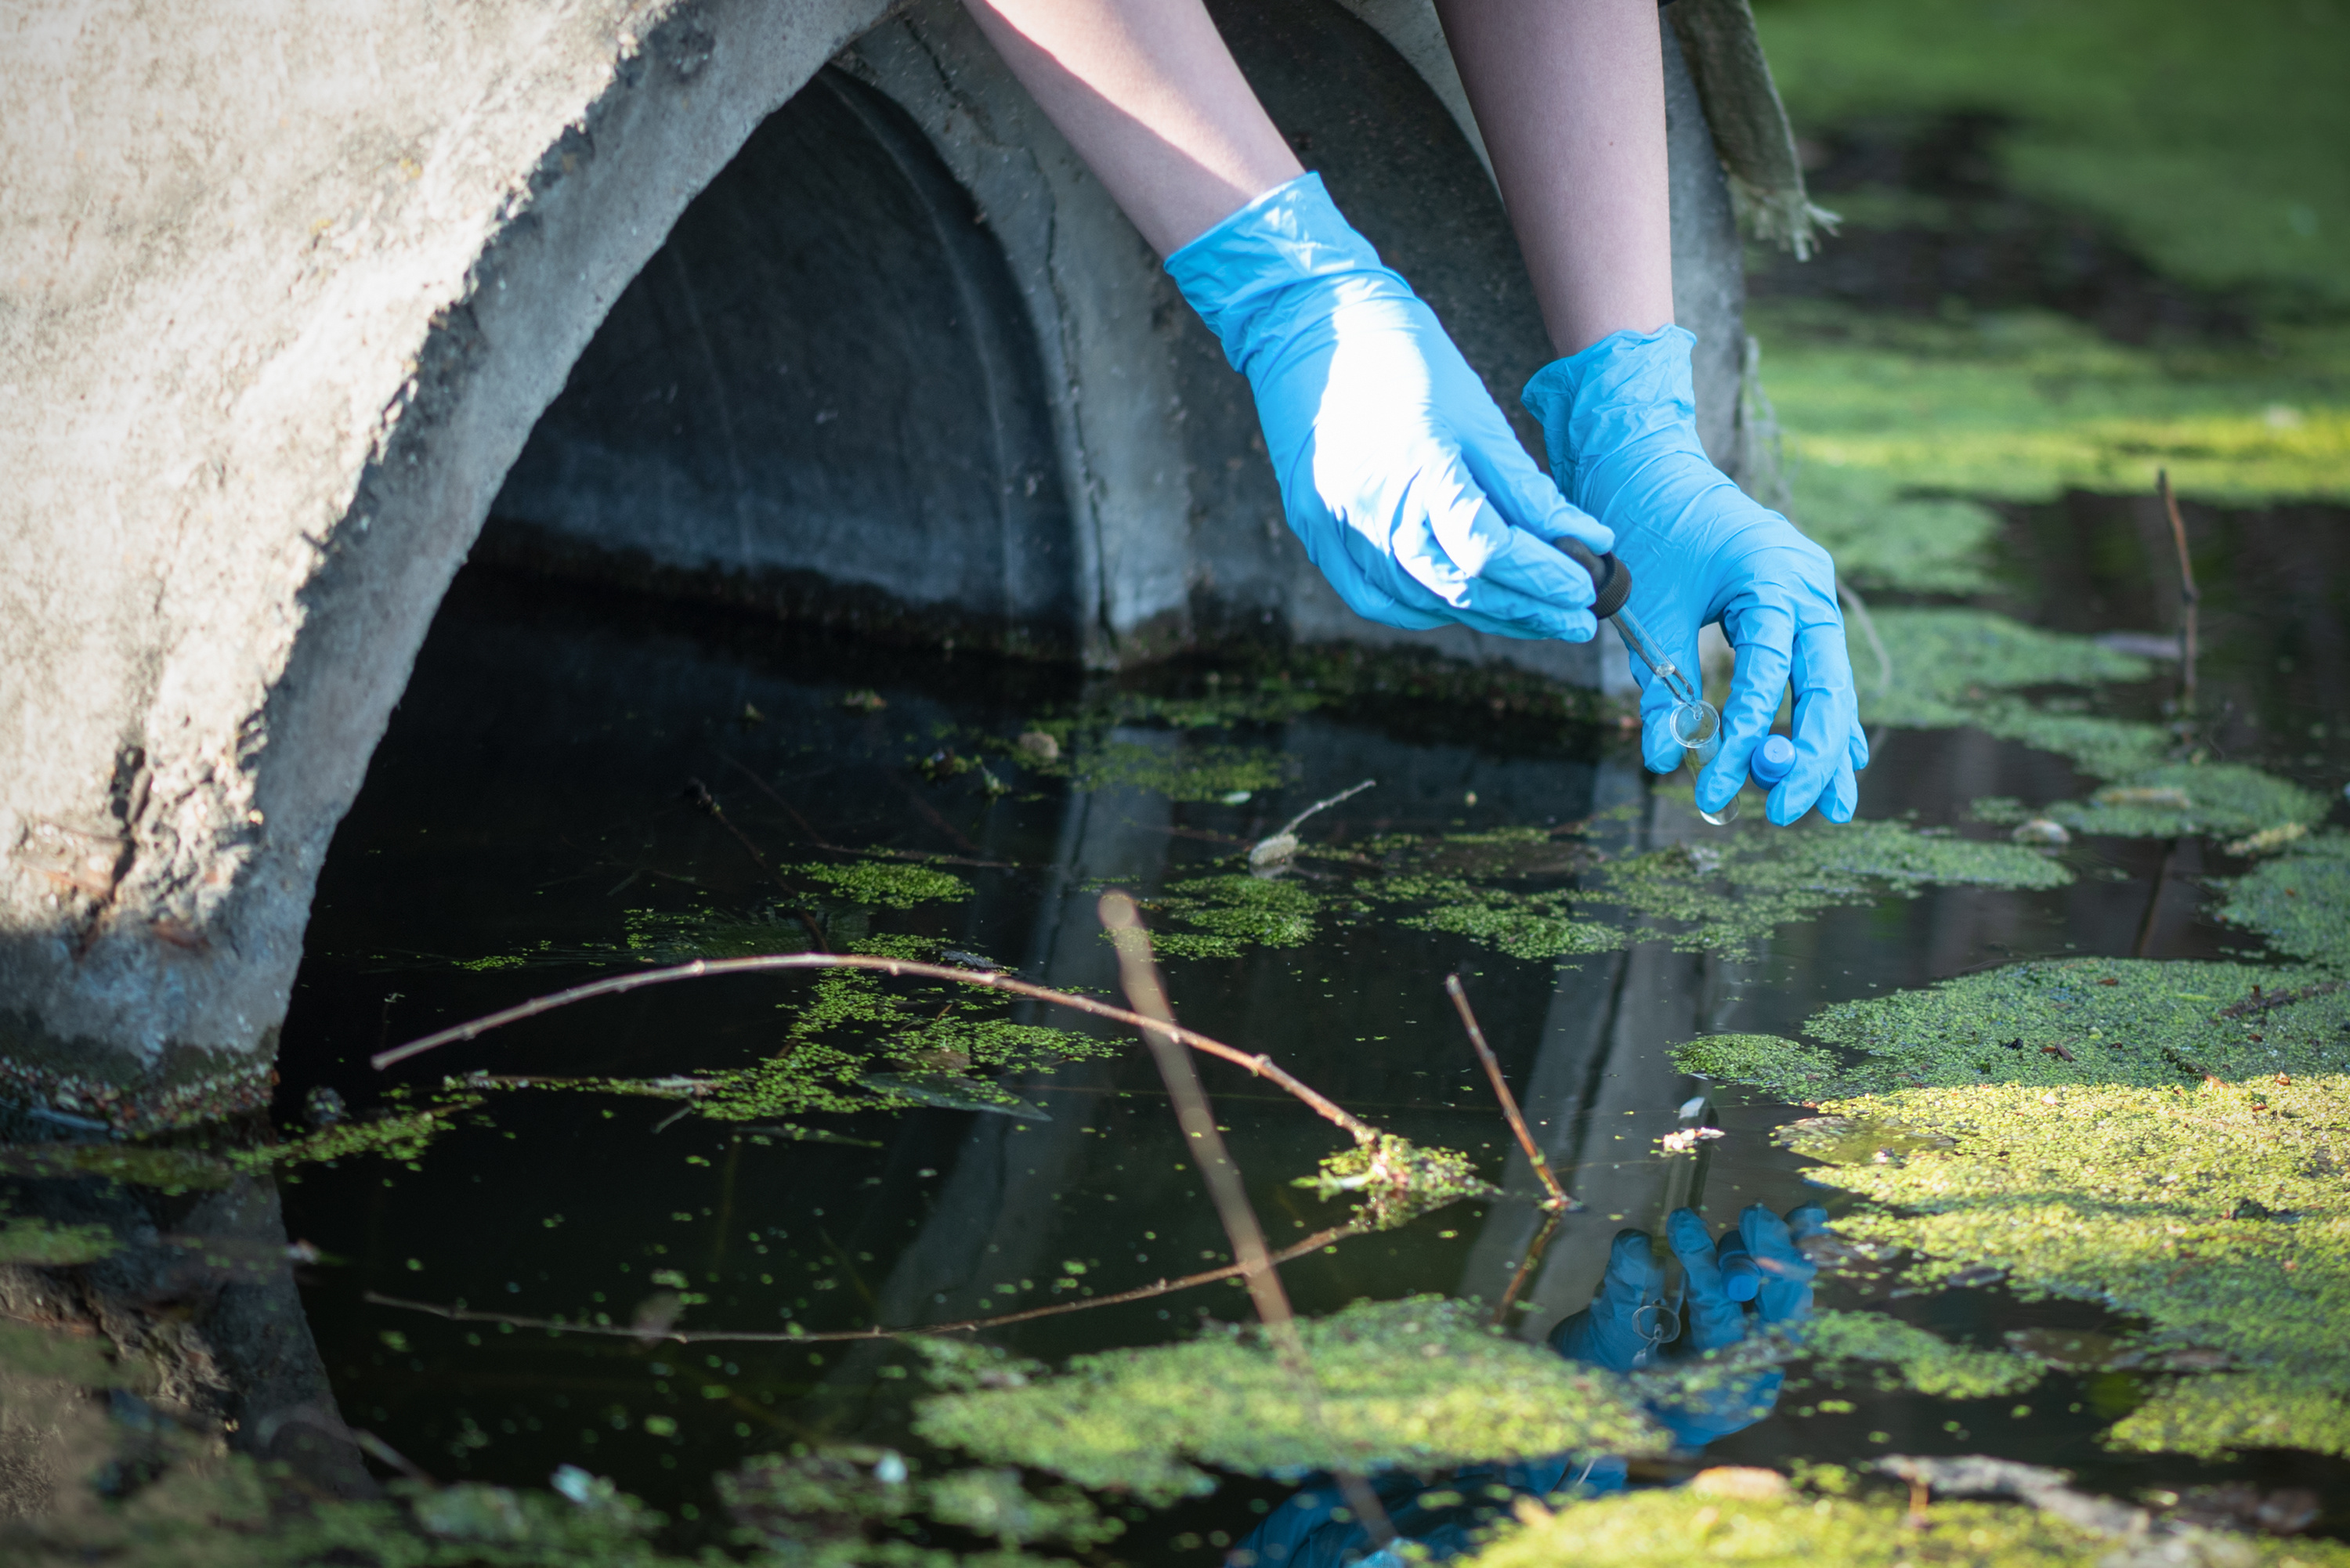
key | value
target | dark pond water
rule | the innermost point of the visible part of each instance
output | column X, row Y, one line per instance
column 535, row 801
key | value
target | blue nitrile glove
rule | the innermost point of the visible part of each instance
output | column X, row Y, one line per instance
column 1621, row 421
column 1625, row 1322
column 1715, row 1321
column 1396, row 469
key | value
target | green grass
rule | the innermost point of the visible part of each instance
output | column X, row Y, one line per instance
column 2209, row 138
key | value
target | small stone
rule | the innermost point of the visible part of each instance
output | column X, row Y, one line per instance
column 1038, row 746
column 2040, row 830
column 323, row 1107
column 1743, row 1483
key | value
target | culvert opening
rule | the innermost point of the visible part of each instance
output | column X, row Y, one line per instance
column 821, row 398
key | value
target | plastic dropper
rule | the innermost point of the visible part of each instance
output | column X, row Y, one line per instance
column 1695, row 723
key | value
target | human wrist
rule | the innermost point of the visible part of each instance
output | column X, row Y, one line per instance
column 1244, row 276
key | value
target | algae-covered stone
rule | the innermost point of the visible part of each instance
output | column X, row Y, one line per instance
column 1396, row 1180
column 1783, row 1067
column 1419, row 1383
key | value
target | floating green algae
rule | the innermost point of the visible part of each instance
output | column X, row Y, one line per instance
column 42, row 1245
column 884, row 884
column 1882, row 539
column 1190, row 771
column 1396, row 1180
column 1673, row 1527
column 403, row 1135
column 2218, row 1213
column 1965, row 667
column 2224, row 1413
column 2300, row 901
column 1420, row 1384
column 2178, row 799
column 1230, row 913
column 1920, row 1358
column 1789, row 1070
column 2091, row 1021
column 1519, row 892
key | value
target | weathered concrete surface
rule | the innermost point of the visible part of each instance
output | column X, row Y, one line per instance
column 287, row 292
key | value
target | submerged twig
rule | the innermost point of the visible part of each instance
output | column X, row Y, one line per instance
column 1222, row 1178
column 1559, row 1200
column 1261, row 1065
column 1534, row 1249
column 1296, row 1250
column 1276, row 848
column 2145, row 943
column 2187, row 597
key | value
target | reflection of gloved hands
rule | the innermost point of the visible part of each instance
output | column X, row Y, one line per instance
column 1627, row 1323
column 1396, row 468
column 1621, row 421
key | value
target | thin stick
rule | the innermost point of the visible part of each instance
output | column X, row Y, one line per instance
column 1326, row 805
column 1296, row 1250
column 2187, row 597
column 1559, row 1200
column 1526, row 1267
column 1260, row 1064
column 1859, row 607
column 1222, row 1179
column 2145, row 943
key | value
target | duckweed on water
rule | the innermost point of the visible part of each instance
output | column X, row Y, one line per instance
column 1672, row 1527
column 1399, row 1180
column 2298, row 900
column 2218, row 1213
column 1187, row 772
column 1420, row 1384
column 404, row 1135
column 1724, row 895
column 1782, row 1067
column 884, row 884
column 2087, row 1021
column 1921, row 1360
column 1232, row 912
column 2182, row 798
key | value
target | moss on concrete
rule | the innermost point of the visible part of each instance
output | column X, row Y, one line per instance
column 42, row 1245
column 1420, row 1383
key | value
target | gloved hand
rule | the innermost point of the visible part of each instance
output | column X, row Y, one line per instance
column 1397, row 470
column 1620, row 419
column 1627, row 1325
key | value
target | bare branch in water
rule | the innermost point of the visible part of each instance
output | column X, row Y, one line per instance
column 2187, row 597
column 1526, row 1266
column 1296, row 1250
column 1559, row 1200
column 1261, row 1065
column 1222, row 1178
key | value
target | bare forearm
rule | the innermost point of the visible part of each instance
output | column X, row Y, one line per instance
column 1570, row 94
column 1150, row 97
